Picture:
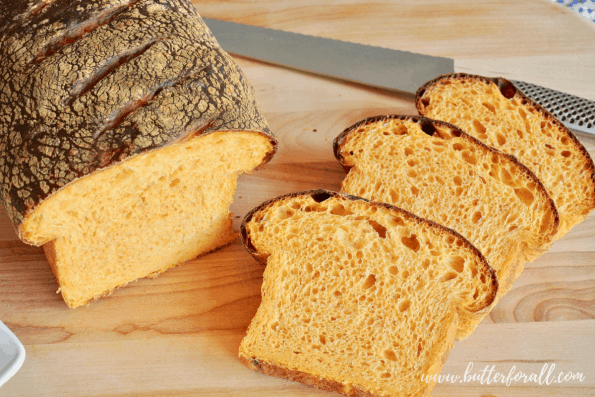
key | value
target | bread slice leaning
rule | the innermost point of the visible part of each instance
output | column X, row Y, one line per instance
column 438, row 172
column 358, row 297
column 123, row 129
column 500, row 115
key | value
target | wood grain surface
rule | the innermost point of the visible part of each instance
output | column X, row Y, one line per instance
column 178, row 334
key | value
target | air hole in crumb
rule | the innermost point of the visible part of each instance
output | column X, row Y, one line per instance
column 547, row 222
column 469, row 157
column 322, row 339
column 396, row 221
column 174, row 183
column 381, row 230
column 457, row 146
column 321, row 196
column 506, row 177
column 393, row 270
column 369, row 282
column 284, row 212
column 404, row 305
column 525, row 195
column 490, row 107
column 274, row 325
column 400, row 130
column 408, row 151
column 414, row 190
column 500, row 139
column 448, row 276
column 479, row 127
column 340, row 210
column 565, row 153
column 393, row 195
column 476, row 216
column 428, row 128
column 411, row 242
column 457, row 263
column 457, row 180
column 425, row 101
column 506, row 88
column 390, row 355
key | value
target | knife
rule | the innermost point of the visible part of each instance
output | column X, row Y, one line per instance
column 385, row 68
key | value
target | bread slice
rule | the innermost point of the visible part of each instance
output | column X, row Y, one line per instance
column 358, row 297
column 123, row 129
column 438, row 172
column 500, row 115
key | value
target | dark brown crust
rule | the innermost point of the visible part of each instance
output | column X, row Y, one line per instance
column 261, row 258
column 306, row 378
column 524, row 99
column 89, row 84
column 341, row 139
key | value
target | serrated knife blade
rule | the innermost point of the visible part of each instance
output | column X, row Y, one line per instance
column 385, row 68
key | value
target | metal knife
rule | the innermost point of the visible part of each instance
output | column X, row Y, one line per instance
column 375, row 66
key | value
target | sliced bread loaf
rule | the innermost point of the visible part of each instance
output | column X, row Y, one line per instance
column 438, row 172
column 358, row 297
column 123, row 129
column 500, row 115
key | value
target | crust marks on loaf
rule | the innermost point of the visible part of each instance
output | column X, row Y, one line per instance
column 36, row 9
column 121, row 113
column 80, row 29
column 107, row 88
column 81, row 87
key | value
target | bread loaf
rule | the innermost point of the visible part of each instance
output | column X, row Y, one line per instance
column 438, row 172
column 500, row 115
column 358, row 297
column 123, row 129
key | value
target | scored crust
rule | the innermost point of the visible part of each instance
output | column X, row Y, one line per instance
column 73, row 101
column 570, row 215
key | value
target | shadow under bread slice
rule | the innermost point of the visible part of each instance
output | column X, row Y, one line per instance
column 358, row 297
column 500, row 115
column 438, row 172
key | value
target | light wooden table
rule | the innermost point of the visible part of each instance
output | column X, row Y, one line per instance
column 178, row 335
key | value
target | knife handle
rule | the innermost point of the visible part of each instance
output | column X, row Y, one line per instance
column 575, row 112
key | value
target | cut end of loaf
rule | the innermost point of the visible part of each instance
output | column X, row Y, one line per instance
column 358, row 297
column 144, row 215
column 500, row 115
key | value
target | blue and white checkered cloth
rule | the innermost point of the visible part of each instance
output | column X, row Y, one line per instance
column 585, row 8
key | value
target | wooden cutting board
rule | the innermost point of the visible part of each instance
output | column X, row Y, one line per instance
column 178, row 335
